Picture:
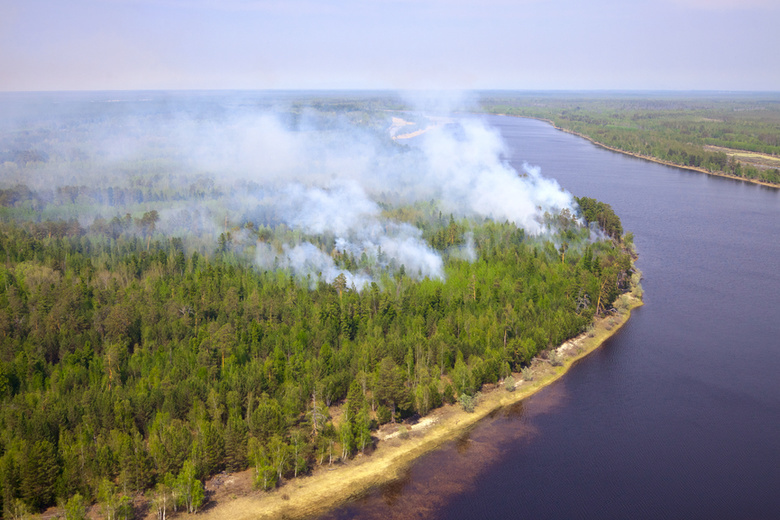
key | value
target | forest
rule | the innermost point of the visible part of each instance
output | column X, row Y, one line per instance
column 164, row 319
column 737, row 134
column 130, row 366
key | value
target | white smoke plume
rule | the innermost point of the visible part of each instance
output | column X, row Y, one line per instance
column 318, row 175
column 306, row 260
column 471, row 175
column 345, row 211
column 459, row 165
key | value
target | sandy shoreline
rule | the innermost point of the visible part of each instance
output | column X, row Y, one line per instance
column 398, row 124
column 647, row 157
column 328, row 487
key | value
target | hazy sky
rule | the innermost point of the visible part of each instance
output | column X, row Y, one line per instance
column 394, row 44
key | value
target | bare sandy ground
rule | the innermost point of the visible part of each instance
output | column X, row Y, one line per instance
column 398, row 124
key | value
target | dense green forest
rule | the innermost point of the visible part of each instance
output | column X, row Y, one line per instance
column 696, row 130
column 193, row 283
column 129, row 365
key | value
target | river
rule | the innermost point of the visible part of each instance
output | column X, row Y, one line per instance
column 677, row 415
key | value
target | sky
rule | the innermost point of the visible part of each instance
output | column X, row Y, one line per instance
column 55, row 45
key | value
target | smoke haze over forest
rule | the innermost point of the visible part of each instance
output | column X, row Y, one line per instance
column 208, row 164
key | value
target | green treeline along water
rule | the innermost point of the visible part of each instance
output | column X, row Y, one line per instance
column 129, row 365
column 696, row 130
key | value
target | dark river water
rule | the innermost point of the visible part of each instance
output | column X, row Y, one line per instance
column 678, row 415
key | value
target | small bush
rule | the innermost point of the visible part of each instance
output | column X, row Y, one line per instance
column 528, row 375
column 403, row 433
column 509, row 384
column 556, row 359
column 468, row 402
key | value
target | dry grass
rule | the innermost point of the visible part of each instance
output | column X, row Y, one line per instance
column 328, row 487
column 757, row 159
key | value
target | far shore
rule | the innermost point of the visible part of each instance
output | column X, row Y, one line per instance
column 647, row 157
column 330, row 486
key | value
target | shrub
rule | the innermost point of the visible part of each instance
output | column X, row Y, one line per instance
column 509, row 384
column 468, row 402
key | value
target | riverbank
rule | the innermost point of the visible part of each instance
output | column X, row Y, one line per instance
column 648, row 157
column 327, row 487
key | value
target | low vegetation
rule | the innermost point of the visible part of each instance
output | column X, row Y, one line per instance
column 712, row 132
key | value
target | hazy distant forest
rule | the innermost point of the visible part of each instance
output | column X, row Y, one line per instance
column 736, row 134
column 163, row 319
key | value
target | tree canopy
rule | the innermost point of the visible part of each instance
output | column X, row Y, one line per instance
column 128, row 361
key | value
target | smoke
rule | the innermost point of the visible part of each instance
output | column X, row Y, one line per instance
column 342, row 208
column 324, row 172
column 465, row 161
column 465, row 251
column 306, row 260
column 331, row 191
column 346, row 212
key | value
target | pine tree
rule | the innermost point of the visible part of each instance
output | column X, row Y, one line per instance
column 390, row 388
column 39, row 474
column 362, row 428
column 235, row 443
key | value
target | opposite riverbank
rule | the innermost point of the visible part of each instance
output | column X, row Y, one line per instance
column 649, row 157
column 328, row 487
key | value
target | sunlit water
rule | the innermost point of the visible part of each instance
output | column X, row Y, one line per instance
column 678, row 415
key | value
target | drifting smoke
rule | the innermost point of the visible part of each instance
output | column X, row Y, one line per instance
column 472, row 176
column 346, row 212
column 459, row 165
column 316, row 173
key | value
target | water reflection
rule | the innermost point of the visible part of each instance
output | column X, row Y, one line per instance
column 433, row 480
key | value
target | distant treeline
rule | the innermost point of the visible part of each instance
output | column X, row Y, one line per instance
column 670, row 128
column 129, row 364
column 22, row 197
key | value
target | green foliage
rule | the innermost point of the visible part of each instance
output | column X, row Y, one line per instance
column 692, row 131
column 300, row 452
column 265, row 474
column 38, row 473
column 603, row 214
column 75, row 508
column 162, row 497
column 462, row 377
column 113, row 505
column 448, row 394
column 363, row 429
column 509, row 384
column 235, row 444
column 190, row 490
column 128, row 362
column 468, row 402
column 391, row 389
